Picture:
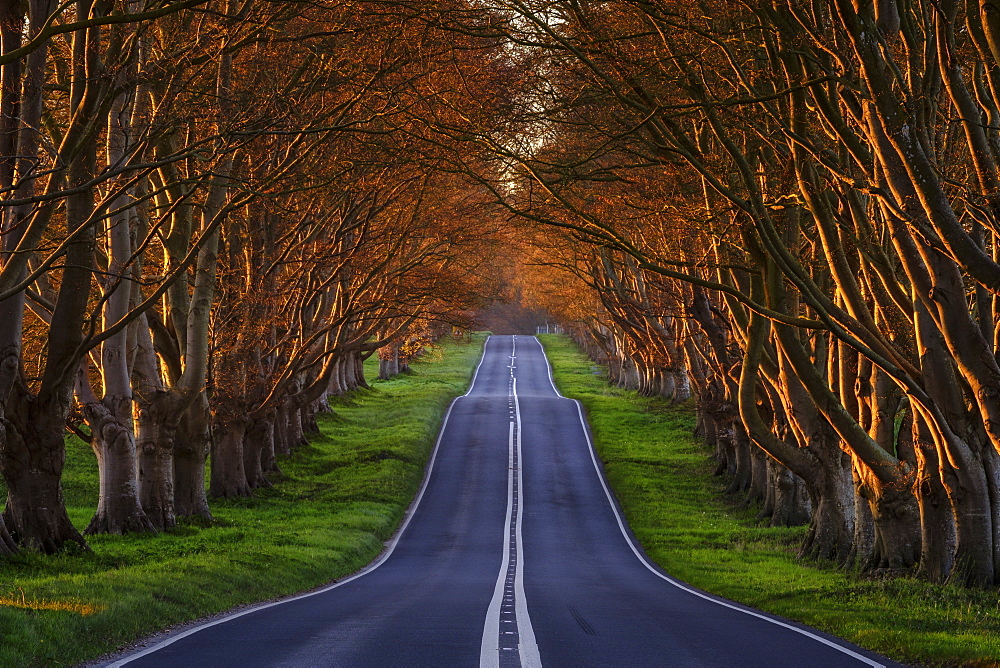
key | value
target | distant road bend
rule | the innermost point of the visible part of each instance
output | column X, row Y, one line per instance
column 513, row 555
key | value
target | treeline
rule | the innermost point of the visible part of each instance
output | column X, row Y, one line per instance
column 210, row 218
column 793, row 209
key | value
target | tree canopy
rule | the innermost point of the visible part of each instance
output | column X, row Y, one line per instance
column 785, row 213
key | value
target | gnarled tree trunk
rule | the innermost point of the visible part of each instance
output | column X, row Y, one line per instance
column 118, row 507
column 157, row 427
column 35, row 515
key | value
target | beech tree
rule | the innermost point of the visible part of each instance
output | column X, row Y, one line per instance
column 841, row 268
column 160, row 160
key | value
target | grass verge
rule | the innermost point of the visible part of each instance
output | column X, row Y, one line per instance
column 677, row 509
column 332, row 507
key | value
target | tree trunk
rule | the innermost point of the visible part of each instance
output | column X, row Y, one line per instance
column 280, row 431
column 268, row 460
column 742, row 466
column 767, row 510
column 118, row 509
column 895, row 512
column 35, row 515
column 668, row 385
column 190, row 453
column 358, row 368
column 33, row 452
column 229, row 479
column 937, row 522
column 863, row 548
column 7, row 544
column 725, row 451
column 336, row 386
column 110, row 418
column 757, row 491
column 309, row 424
column 322, row 405
column 821, row 463
column 630, row 375
column 34, row 448
column 345, row 376
column 970, row 499
column 682, row 387
column 388, row 366
column 831, row 528
column 256, row 441
column 991, row 466
column 897, row 527
column 790, row 508
column 296, row 435
column 11, row 323
column 157, row 435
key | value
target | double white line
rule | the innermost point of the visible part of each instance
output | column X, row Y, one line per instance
column 508, row 627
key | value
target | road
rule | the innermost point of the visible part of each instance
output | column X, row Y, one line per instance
column 514, row 554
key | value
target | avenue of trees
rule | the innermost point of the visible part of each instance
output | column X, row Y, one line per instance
column 791, row 211
column 207, row 225
column 788, row 212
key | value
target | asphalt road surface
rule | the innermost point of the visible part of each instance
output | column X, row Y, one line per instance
column 513, row 555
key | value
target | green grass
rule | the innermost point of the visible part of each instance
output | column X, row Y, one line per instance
column 338, row 499
column 677, row 509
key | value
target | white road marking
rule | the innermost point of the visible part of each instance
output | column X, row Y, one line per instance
column 489, row 655
column 677, row 583
column 526, row 634
column 364, row 571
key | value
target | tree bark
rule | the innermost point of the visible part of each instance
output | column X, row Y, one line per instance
column 257, row 441
column 229, row 479
column 831, row 528
column 7, row 544
column 280, row 431
column 156, row 440
column 190, row 454
column 757, row 492
column 388, row 366
column 742, row 465
column 863, row 545
column 35, row 515
column 309, row 423
column 34, row 451
column 118, row 507
column 110, row 418
column 968, row 489
column 358, row 369
column 791, row 499
column 268, row 456
column 937, row 522
column 897, row 527
column 296, row 434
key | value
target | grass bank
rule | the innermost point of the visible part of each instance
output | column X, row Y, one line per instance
column 334, row 504
column 677, row 509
